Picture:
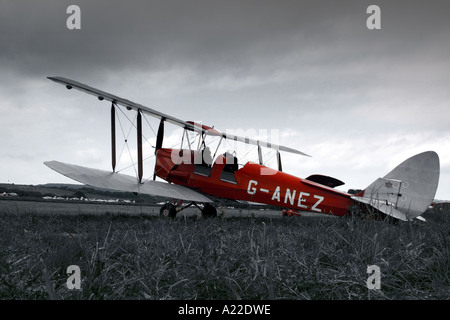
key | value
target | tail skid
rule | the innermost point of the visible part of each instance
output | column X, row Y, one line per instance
column 407, row 191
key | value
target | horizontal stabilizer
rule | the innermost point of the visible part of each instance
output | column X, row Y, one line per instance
column 384, row 206
column 122, row 182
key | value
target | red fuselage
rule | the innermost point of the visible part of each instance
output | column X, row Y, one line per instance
column 252, row 182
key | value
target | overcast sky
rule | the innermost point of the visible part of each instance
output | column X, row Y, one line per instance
column 359, row 101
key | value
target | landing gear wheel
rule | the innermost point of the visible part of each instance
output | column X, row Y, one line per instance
column 209, row 211
column 168, row 211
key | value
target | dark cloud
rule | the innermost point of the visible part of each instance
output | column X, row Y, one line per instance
column 154, row 34
column 208, row 36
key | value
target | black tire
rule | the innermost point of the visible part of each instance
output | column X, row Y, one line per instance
column 168, row 210
column 209, row 211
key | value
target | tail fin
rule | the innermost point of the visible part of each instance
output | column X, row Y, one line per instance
column 407, row 191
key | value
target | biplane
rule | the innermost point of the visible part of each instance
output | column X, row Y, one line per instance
column 193, row 175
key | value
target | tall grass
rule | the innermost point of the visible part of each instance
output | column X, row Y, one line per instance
column 146, row 257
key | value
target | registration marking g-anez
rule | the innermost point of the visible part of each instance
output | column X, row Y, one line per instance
column 291, row 197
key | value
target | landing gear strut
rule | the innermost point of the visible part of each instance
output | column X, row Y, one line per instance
column 168, row 210
column 209, row 211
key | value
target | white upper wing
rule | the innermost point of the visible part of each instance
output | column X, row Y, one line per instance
column 102, row 95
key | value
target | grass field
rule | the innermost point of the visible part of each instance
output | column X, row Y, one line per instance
column 141, row 256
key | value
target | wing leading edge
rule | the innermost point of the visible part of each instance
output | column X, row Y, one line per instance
column 122, row 182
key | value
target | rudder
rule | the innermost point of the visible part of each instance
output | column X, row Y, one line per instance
column 407, row 191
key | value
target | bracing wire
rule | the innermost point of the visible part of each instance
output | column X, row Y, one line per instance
column 126, row 141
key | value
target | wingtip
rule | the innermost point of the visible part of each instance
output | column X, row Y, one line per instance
column 55, row 79
column 49, row 163
column 303, row 154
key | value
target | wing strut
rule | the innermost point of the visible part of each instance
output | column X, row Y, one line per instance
column 159, row 142
column 113, row 136
column 139, row 146
column 260, row 155
column 160, row 136
column 280, row 168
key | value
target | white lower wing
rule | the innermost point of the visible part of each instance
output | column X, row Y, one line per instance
column 116, row 181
